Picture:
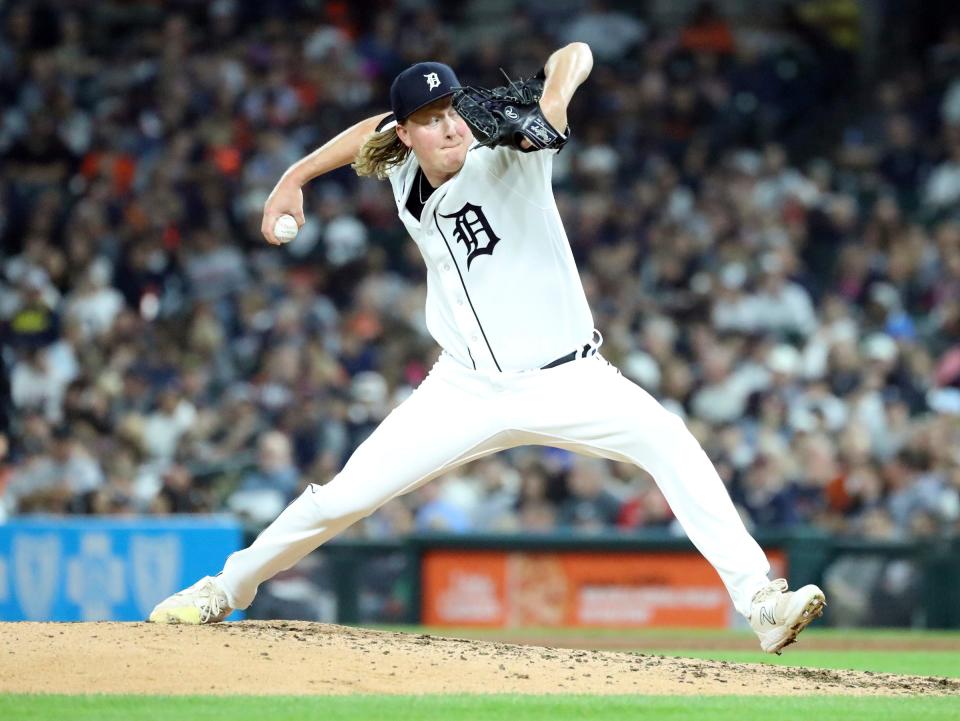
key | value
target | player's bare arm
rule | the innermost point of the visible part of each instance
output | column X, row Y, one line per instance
column 286, row 198
column 565, row 71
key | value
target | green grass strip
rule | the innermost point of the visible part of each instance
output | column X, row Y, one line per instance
column 914, row 663
column 470, row 708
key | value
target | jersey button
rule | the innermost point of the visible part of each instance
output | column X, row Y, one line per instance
column 446, row 267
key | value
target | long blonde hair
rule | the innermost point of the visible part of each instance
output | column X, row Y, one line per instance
column 380, row 152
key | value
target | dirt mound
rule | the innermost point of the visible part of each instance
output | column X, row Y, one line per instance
column 278, row 657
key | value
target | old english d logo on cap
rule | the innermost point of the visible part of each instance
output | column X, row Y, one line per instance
column 419, row 85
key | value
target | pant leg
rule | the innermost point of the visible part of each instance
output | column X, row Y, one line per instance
column 589, row 407
column 444, row 423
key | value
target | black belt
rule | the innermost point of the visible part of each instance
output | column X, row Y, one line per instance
column 588, row 350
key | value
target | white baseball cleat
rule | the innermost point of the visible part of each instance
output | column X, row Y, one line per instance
column 203, row 602
column 778, row 616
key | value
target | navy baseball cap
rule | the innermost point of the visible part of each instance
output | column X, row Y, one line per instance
column 420, row 85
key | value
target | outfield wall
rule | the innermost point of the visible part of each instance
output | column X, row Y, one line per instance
column 110, row 569
column 81, row 568
column 652, row 579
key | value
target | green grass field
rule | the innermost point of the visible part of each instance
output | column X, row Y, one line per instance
column 940, row 658
column 470, row 708
column 927, row 663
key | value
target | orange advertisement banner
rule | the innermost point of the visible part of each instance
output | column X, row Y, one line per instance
column 497, row 588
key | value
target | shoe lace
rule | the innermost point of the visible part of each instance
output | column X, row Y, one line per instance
column 773, row 588
column 211, row 605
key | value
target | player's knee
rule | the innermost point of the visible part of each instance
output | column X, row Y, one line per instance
column 674, row 421
column 673, row 424
column 665, row 426
column 677, row 434
column 334, row 502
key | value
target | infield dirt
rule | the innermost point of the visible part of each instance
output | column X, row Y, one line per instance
column 280, row 657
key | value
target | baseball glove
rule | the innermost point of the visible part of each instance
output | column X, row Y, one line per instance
column 508, row 114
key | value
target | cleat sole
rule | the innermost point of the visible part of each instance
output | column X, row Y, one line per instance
column 812, row 611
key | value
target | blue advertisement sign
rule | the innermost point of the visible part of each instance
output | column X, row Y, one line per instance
column 106, row 569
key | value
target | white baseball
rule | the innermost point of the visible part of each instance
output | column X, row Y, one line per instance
column 285, row 229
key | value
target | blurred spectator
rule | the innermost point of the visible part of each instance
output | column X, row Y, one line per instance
column 611, row 34
column 645, row 507
column 94, row 304
column 590, row 505
column 768, row 496
column 169, row 421
column 707, row 31
column 782, row 305
column 214, row 270
column 36, row 383
column 266, row 490
column 33, row 320
column 56, row 482
column 723, row 395
column 178, row 493
column 943, row 186
column 436, row 512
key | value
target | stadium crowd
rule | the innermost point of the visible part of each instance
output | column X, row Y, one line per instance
column 769, row 240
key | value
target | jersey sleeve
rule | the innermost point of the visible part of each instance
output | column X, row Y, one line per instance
column 532, row 171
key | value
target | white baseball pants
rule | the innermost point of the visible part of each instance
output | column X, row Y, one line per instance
column 459, row 414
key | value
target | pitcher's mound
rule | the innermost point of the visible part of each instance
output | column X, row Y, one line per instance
column 282, row 657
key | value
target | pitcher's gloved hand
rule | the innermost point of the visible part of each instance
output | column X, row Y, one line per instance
column 508, row 115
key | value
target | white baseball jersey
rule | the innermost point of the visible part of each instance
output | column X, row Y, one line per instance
column 503, row 291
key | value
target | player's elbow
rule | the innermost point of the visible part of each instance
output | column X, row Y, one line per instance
column 581, row 57
column 573, row 59
column 582, row 62
column 583, row 50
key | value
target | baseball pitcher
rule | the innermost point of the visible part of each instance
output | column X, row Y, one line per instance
column 470, row 170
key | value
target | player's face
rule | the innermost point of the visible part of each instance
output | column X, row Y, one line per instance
column 438, row 136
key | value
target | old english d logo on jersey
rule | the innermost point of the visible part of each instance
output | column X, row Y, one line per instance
column 473, row 230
